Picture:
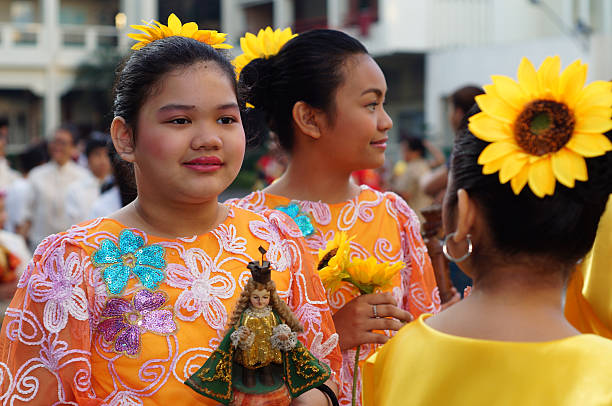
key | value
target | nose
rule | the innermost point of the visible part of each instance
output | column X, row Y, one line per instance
column 206, row 138
column 385, row 123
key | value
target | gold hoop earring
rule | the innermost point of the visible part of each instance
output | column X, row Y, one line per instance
column 462, row 258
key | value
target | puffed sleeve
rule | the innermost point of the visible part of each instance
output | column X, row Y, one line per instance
column 307, row 297
column 46, row 333
column 420, row 289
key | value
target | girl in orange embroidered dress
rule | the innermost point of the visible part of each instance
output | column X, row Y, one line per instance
column 323, row 95
column 124, row 309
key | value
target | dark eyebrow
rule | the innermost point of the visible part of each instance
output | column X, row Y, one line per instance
column 227, row 106
column 378, row 92
column 176, row 107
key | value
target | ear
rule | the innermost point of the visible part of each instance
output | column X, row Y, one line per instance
column 466, row 215
column 307, row 119
column 123, row 139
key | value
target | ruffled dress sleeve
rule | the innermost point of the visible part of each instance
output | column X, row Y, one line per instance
column 307, row 298
column 420, row 290
column 46, row 333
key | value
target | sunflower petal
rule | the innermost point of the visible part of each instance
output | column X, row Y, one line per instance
column 593, row 124
column 528, row 78
column 496, row 150
column 174, row 24
column 189, row 29
column 589, row 145
column 510, row 91
column 493, row 166
column 496, row 108
column 548, row 76
column 568, row 166
column 571, row 82
column 598, row 93
column 587, row 111
column 222, row 46
column 513, row 164
column 541, row 178
column 489, row 129
column 519, row 181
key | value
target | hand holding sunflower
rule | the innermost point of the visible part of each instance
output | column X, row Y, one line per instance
column 367, row 276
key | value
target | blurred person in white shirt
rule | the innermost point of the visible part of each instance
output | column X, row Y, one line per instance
column 46, row 208
column 7, row 174
column 119, row 193
column 82, row 194
column 18, row 193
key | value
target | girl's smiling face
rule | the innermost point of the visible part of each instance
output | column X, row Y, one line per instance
column 357, row 137
column 189, row 142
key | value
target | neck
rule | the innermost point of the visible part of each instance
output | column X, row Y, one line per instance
column 172, row 220
column 308, row 178
column 511, row 303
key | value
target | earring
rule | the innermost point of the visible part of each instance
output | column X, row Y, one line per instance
column 448, row 256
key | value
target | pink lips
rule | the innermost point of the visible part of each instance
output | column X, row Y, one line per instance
column 382, row 143
column 204, row 164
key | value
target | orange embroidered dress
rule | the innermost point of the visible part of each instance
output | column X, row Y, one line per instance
column 110, row 315
column 384, row 227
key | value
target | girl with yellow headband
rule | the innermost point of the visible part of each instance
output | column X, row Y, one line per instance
column 123, row 309
column 322, row 95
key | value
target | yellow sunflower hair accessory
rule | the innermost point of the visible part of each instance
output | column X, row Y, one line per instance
column 156, row 30
column 541, row 128
column 265, row 44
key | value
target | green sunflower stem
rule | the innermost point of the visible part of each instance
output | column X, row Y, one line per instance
column 355, row 375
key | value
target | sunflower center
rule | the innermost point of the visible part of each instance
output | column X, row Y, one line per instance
column 325, row 260
column 544, row 126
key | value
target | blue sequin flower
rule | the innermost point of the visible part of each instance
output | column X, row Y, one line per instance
column 118, row 263
column 301, row 219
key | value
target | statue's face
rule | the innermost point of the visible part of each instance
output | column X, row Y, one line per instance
column 260, row 298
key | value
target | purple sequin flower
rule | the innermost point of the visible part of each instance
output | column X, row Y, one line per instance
column 123, row 322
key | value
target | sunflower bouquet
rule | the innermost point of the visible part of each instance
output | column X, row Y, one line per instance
column 336, row 269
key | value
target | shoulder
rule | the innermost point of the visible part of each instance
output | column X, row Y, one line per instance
column 254, row 201
column 399, row 206
column 40, row 171
column 272, row 220
column 78, row 169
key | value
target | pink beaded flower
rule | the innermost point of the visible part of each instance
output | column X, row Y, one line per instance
column 123, row 322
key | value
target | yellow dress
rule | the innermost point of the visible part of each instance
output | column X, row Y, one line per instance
column 421, row 366
column 110, row 315
column 588, row 304
column 383, row 226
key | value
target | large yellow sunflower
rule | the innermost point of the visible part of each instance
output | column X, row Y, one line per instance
column 156, row 30
column 541, row 128
column 333, row 261
column 265, row 44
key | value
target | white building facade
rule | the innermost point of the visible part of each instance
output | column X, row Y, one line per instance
column 42, row 42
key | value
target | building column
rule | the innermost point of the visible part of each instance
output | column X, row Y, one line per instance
column 283, row 13
column 52, row 39
column 233, row 20
column 333, row 14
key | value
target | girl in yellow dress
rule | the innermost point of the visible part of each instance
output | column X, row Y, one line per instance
column 123, row 309
column 529, row 180
column 322, row 95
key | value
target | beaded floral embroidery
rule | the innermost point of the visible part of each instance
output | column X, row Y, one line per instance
column 131, row 256
column 123, row 322
column 301, row 219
